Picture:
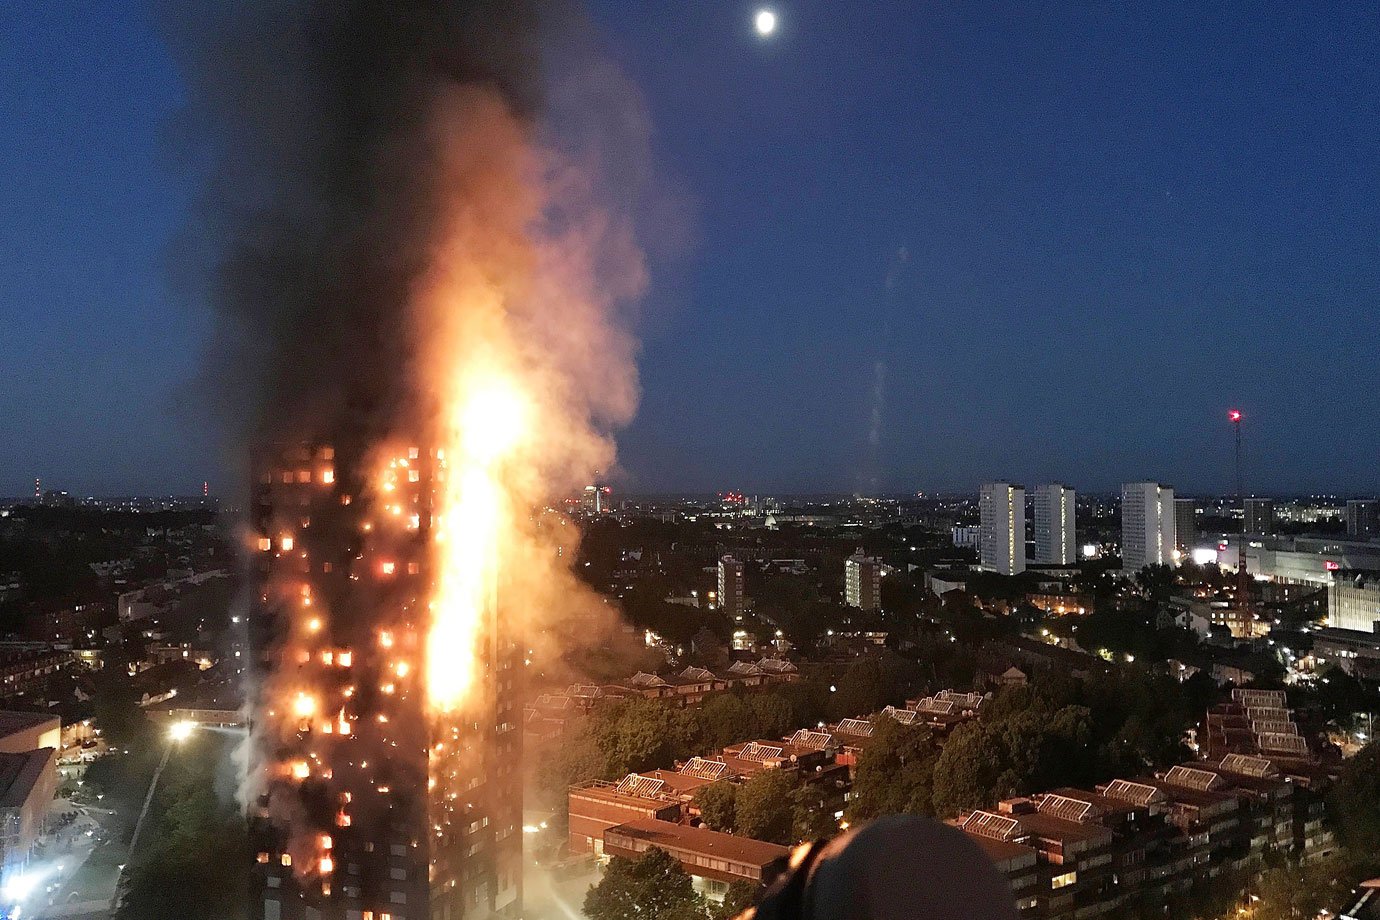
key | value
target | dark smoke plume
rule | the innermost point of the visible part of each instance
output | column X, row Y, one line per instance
column 323, row 199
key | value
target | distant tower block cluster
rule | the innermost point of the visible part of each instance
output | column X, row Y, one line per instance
column 1002, row 540
column 1054, row 525
column 1147, row 525
column 373, row 806
column 862, row 581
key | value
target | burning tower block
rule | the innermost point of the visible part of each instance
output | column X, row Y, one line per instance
column 373, row 803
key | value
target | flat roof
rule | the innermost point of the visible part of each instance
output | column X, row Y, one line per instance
column 682, row 783
column 1052, row 828
column 12, row 722
column 607, row 793
column 19, row 773
column 702, row 840
column 1001, row 851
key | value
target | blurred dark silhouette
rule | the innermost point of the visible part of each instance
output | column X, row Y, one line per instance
column 895, row 868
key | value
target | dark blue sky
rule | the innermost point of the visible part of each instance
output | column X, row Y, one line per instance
column 1120, row 219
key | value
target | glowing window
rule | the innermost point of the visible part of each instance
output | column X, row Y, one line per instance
column 285, row 544
column 1064, row 881
column 304, row 475
column 265, row 544
column 414, row 475
column 328, row 475
column 389, row 568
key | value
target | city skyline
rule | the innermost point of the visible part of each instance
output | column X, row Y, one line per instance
column 920, row 298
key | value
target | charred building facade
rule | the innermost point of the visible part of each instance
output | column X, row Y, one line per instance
column 373, row 805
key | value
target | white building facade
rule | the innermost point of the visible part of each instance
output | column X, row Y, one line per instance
column 1147, row 525
column 862, row 582
column 1002, row 506
column 1054, row 529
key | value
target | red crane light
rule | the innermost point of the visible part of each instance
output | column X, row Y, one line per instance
column 1234, row 415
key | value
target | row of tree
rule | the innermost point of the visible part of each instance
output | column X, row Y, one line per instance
column 1054, row 732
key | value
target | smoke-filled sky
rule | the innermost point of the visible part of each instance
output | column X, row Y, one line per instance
column 908, row 244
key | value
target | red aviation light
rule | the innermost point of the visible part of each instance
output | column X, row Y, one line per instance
column 1234, row 415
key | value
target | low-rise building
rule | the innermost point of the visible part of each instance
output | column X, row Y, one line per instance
column 713, row 859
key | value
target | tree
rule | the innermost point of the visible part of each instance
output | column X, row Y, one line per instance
column 895, row 773
column 639, row 735
column 1356, row 801
column 717, row 804
column 763, row 808
column 180, row 869
column 1026, row 751
column 573, row 758
column 772, row 714
column 723, row 720
column 653, row 887
column 1298, row 891
column 812, row 817
column 740, row 896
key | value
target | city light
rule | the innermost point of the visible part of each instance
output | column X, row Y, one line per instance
column 181, row 731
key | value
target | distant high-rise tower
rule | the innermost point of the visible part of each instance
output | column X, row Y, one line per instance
column 1147, row 525
column 1002, row 506
column 1054, row 527
column 862, row 581
column 1259, row 516
column 1185, row 523
column 730, row 586
column 1363, row 518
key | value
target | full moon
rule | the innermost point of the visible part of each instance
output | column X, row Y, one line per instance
column 765, row 22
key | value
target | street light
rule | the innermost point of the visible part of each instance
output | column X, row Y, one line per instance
column 181, row 731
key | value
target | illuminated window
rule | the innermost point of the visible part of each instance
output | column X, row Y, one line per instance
column 304, row 475
column 265, row 544
column 414, row 568
column 328, row 453
column 328, row 475
column 389, row 568
column 285, row 544
column 1063, row 881
column 414, row 475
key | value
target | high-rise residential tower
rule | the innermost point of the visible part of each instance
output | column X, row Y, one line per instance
column 1054, row 525
column 1363, row 518
column 1147, row 525
column 1259, row 516
column 1185, row 523
column 1002, row 507
column 374, row 805
column 862, row 581
column 730, row 587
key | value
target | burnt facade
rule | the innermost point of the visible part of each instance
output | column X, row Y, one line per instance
column 371, row 805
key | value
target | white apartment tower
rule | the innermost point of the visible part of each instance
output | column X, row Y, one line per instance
column 1054, row 543
column 862, row 581
column 1147, row 525
column 1002, row 548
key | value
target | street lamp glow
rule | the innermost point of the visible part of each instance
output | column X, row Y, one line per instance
column 764, row 22
column 181, row 731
